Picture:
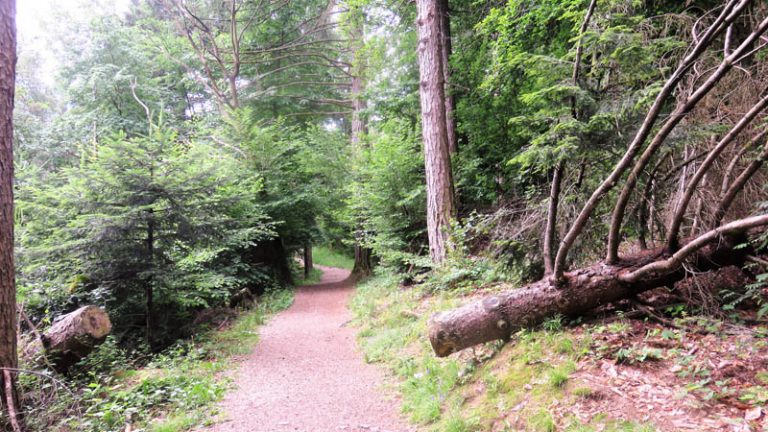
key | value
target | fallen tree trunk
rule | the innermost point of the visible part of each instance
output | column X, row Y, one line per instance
column 498, row 317
column 71, row 337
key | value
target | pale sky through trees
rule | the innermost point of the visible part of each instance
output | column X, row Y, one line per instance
column 35, row 20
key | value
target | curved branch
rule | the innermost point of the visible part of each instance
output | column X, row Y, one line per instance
column 713, row 31
column 689, row 249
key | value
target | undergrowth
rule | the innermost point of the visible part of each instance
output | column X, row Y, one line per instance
column 169, row 393
column 512, row 387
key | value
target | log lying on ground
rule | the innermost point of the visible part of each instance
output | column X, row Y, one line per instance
column 498, row 317
column 72, row 337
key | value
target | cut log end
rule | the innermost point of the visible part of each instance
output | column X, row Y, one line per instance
column 95, row 322
column 71, row 337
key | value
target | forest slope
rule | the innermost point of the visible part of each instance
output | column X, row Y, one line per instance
column 625, row 373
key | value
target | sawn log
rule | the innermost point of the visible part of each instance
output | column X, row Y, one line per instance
column 72, row 337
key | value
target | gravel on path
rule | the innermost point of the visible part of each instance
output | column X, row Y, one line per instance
column 306, row 373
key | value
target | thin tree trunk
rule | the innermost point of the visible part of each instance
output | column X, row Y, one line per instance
column 554, row 193
column 437, row 161
column 735, row 160
column 682, row 206
column 308, row 265
column 8, row 354
column 729, row 13
column 646, row 206
column 447, row 49
column 550, row 229
column 738, row 185
column 149, row 289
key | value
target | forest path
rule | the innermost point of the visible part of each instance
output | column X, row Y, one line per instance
column 306, row 373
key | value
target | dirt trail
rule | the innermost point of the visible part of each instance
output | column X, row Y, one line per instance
column 306, row 373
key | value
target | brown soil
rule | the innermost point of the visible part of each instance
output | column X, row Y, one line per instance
column 306, row 373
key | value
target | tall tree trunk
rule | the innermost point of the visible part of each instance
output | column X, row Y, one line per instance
column 447, row 49
column 362, row 266
column 359, row 104
column 437, row 161
column 8, row 355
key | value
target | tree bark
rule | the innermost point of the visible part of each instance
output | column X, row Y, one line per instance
column 437, row 161
column 71, row 337
column 499, row 316
column 450, row 102
column 8, row 355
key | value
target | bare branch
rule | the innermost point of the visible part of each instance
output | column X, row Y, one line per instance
column 339, row 102
column 675, row 118
column 146, row 108
column 735, row 160
column 683, row 164
column 682, row 206
column 740, row 182
column 9, row 399
column 324, row 113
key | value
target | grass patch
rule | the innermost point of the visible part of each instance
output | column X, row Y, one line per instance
column 314, row 277
column 560, row 375
column 512, row 386
column 325, row 256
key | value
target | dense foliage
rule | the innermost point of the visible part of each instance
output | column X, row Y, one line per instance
column 253, row 152
column 188, row 150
